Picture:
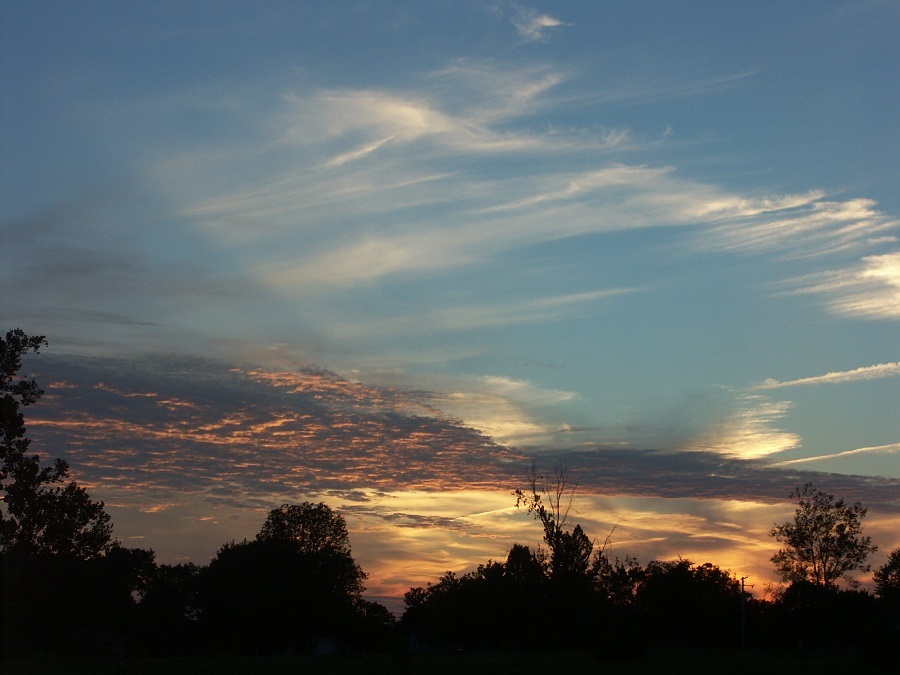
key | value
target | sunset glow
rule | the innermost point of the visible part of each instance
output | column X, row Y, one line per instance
column 386, row 256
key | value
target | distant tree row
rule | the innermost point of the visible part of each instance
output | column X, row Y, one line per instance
column 67, row 584
column 568, row 593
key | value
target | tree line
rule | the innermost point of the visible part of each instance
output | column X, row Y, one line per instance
column 69, row 585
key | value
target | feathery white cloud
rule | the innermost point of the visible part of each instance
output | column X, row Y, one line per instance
column 865, row 373
column 352, row 186
column 870, row 290
column 504, row 408
column 472, row 317
column 792, row 226
column 889, row 449
column 531, row 24
column 749, row 431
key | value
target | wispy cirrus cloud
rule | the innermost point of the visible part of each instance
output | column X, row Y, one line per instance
column 396, row 174
column 873, row 461
column 868, row 290
column 749, row 430
column 390, row 182
column 531, row 24
column 466, row 109
column 889, row 449
column 865, row 373
column 794, row 226
column 505, row 409
column 517, row 310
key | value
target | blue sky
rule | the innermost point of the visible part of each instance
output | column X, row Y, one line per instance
column 638, row 234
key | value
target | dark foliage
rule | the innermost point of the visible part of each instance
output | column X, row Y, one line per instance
column 806, row 614
column 295, row 585
column 487, row 607
column 42, row 510
column 887, row 581
column 824, row 542
column 675, row 598
column 62, row 573
column 169, row 610
column 310, row 528
column 85, row 605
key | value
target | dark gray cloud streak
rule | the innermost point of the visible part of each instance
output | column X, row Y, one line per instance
column 152, row 428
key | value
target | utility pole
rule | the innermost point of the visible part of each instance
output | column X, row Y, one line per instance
column 744, row 612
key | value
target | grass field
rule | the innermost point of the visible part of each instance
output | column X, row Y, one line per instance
column 693, row 661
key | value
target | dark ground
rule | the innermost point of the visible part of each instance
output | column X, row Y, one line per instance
column 692, row 661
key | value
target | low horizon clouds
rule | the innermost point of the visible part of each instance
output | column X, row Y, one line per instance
column 107, row 413
column 167, row 442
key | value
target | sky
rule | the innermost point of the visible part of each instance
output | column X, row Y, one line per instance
column 385, row 255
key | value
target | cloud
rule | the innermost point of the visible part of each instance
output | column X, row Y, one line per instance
column 878, row 460
column 531, row 24
column 865, row 373
column 254, row 436
column 248, row 434
column 563, row 188
column 477, row 219
column 890, row 449
column 387, row 115
column 748, row 431
column 444, row 320
column 488, row 92
column 191, row 452
column 732, row 206
column 794, row 226
column 385, row 118
column 870, row 290
column 505, row 409
column 358, row 153
column 347, row 188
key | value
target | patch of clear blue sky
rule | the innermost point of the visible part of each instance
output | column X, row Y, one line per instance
column 814, row 106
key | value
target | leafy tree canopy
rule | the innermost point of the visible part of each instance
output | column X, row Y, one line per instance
column 15, row 393
column 887, row 578
column 824, row 542
column 312, row 528
column 297, row 579
column 41, row 509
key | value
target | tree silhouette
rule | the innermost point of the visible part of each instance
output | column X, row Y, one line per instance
column 523, row 568
column 12, row 423
column 824, row 542
column 618, row 581
column 684, row 602
column 549, row 499
column 57, row 556
column 319, row 536
column 295, row 582
column 169, row 611
column 42, row 510
column 483, row 608
column 311, row 528
column 887, row 580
